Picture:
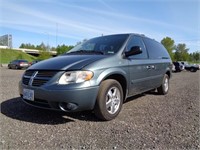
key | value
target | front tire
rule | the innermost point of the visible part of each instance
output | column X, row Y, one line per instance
column 109, row 100
column 164, row 88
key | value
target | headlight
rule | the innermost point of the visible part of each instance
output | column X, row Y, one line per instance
column 75, row 77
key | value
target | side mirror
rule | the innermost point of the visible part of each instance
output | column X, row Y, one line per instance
column 134, row 51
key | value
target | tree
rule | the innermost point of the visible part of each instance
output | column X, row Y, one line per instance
column 168, row 43
column 42, row 46
column 44, row 55
column 22, row 45
column 53, row 49
column 63, row 48
column 195, row 57
column 28, row 46
column 181, row 53
column 80, row 42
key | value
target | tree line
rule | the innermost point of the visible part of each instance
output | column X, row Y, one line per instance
column 45, row 49
column 42, row 47
column 178, row 52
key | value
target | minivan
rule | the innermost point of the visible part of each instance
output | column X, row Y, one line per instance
column 98, row 75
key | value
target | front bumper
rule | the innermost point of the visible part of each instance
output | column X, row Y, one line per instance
column 84, row 98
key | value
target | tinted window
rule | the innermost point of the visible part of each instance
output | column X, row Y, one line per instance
column 106, row 44
column 155, row 49
column 14, row 61
column 23, row 61
column 137, row 41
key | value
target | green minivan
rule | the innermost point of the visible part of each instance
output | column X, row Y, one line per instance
column 98, row 75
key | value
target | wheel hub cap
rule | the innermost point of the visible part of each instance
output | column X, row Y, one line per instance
column 113, row 100
column 166, row 86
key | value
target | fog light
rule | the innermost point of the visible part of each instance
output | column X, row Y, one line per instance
column 67, row 106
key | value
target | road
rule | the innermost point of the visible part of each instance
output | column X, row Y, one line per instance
column 147, row 121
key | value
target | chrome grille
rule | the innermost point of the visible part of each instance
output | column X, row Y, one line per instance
column 39, row 82
column 25, row 80
column 37, row 78
column 29, row 73
column 46, row 74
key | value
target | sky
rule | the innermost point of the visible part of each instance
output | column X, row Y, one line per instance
column 57, row 22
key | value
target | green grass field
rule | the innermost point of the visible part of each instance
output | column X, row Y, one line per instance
column 7, row 55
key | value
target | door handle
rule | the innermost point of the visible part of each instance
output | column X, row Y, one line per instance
column 148, row 67
column 152, row 67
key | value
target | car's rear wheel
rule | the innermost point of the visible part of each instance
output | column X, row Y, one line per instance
column 109, row 100
column 164, row 88
column 193, row 69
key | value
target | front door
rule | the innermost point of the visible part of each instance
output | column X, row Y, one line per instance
column 139, row 69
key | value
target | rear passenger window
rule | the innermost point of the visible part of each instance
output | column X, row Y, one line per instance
column 155, row 49
column 137, row 41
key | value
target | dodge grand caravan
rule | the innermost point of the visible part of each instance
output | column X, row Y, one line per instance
column 99, row 75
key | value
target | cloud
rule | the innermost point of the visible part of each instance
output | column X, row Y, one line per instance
column 192, row 43
column 49, row 18
column 92, row 27
column 106, row 5
column 44, row 22
column 137, row 20
column 77, row 21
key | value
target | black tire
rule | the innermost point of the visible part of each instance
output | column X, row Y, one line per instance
column 193, row 69
column 9, row 67
column 102, row 110
column 164, row 88
column 16, row 67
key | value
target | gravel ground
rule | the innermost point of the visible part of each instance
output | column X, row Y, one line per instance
column 147, row 121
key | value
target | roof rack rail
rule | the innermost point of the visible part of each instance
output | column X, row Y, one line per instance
column 142, row 34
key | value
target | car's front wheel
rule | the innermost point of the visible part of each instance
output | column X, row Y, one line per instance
column 109, row 100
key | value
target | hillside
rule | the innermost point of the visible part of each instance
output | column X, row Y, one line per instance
column 7, row 55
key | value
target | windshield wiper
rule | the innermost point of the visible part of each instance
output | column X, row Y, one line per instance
column 97, row 52
column 86, row 52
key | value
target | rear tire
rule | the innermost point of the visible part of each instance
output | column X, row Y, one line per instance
column 164, row 88
column 109, row 100
column 193, row 69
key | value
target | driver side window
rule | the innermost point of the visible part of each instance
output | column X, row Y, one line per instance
column 137, row 41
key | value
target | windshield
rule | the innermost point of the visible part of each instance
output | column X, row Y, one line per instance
column 106, row 45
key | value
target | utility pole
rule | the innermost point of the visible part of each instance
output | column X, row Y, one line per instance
column 56, row 34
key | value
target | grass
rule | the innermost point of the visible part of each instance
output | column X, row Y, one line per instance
column 194, row 62
column 7, row 55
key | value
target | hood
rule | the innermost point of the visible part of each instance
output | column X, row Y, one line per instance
column 66, row 62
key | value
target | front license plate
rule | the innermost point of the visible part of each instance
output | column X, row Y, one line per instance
column 28, row 94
